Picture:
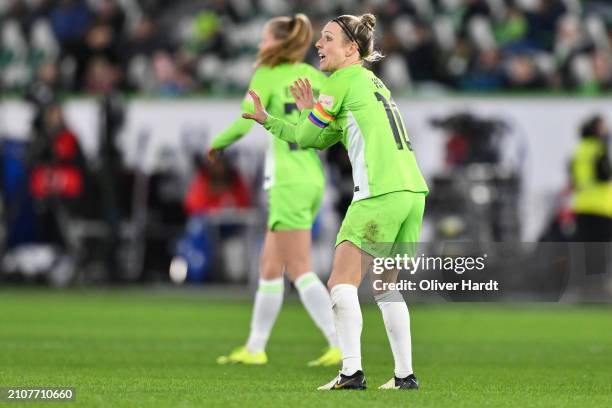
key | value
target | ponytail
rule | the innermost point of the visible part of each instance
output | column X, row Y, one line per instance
column 295, row 35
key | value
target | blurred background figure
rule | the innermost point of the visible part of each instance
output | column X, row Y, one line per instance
column 216, row 186
column 592, row 182
column 523, row 74
column 59, row 170
column 56, row 188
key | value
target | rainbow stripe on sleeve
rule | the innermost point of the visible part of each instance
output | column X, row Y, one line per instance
column 319, row 117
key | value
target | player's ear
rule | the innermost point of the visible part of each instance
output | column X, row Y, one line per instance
column 352, row 49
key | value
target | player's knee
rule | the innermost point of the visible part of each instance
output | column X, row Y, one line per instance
column 270, row 268
column 295, row 269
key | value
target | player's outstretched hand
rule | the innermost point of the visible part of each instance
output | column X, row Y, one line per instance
column 302, row 92
column 260, row 114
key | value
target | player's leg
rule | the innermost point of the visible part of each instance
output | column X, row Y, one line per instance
column 369, row 229
column 343, row 283
column 267, row 305
column 269, row 296
column 391, row 303
column 298, row 207
column 361, row 224
column 294, row 247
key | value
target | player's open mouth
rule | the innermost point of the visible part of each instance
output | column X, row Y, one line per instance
column 321, row 57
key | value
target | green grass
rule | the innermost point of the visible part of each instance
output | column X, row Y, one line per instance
column 137, row 348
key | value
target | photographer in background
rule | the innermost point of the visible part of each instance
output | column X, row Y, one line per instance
column 591, row 176
column 58, row 175
column 216, row 186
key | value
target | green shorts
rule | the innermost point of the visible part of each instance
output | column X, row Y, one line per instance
column 293, row 207
column 378, row 224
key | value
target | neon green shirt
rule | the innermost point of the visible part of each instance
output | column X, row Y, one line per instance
column 591, row 195
column 286, row 163
column 356, row 108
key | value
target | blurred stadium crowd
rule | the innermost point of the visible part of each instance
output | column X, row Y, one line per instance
column 165, row 47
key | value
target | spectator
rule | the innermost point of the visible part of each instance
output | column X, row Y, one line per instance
column 98, row 59
column 422, row 54
column 602, row 73
column 522, row 74
column 486, row 73
column 171, row 78
column 511, row 32
column 142, row 42
column 69, row 20
column 101, row 76
column 570, row 43
column 111, row 14
column 543, row 23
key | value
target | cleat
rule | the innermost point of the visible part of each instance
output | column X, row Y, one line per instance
column 242, row 356
column 407, row 383
column 356, row 381
column 332, row 356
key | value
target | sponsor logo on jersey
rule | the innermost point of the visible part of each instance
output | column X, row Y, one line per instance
column 326, row 101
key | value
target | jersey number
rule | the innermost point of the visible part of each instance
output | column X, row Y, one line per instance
column 289, row 108
column 395, row 122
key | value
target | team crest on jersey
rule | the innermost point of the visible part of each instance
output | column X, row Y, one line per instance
column 326, row 101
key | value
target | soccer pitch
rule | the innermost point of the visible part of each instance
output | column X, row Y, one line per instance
column 131, row 348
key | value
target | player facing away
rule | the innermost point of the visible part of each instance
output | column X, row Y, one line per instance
column 356, row 108
column 294, row 181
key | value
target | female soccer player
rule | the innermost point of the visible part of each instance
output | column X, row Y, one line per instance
column 355, row 107
column 294, row 181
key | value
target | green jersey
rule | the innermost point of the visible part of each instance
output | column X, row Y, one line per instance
column 286, row 162
column 356, row 108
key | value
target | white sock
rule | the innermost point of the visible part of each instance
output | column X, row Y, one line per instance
column 268, row 302
column 397, row 322
column 347, row 315
column 317, row 302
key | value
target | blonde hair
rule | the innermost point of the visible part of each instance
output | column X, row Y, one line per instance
column 295, row 35
column 361, row 29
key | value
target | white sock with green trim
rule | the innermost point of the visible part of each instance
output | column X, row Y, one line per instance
column 268, row 302
column 397, row 323
column 317, row 302
column 347, row 315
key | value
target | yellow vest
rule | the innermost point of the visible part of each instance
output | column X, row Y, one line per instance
column 591, row 196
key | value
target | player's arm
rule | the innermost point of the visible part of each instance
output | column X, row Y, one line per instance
column 231, row 134
column 305, row 136
column 241, row 126
column 312, row 128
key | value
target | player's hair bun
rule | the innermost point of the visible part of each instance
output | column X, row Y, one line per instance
column 362, row 29
column 368, row 20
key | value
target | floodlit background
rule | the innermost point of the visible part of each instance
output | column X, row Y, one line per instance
column 128, row 261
